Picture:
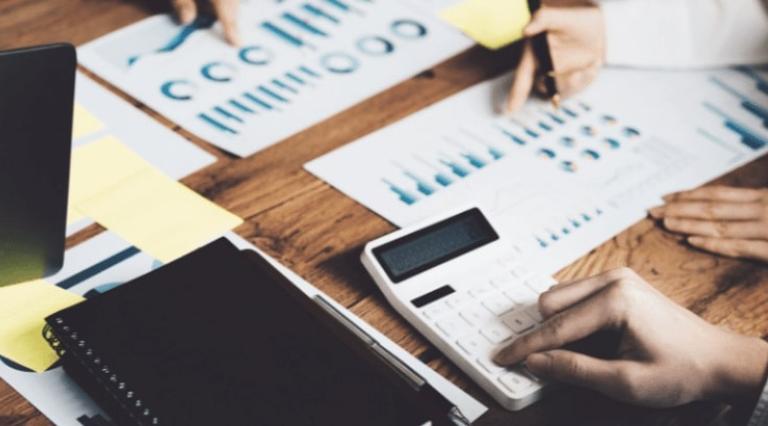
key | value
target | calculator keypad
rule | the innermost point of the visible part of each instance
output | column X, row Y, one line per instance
column 497, row 308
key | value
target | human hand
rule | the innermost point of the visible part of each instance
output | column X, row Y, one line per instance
column 723, row 220
column 225, row 10
column 576, row 38
column 667, row 355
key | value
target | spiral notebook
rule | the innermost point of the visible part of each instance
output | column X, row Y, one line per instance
column 219, row 337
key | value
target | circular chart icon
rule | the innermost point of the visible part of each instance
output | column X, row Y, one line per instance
column 255, row 55
column 408, row 29
column 375, row 46
column 178, row 90
column 339, row 63
column 218, row 71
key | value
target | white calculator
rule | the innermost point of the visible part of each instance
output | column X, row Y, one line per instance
column 461, row 286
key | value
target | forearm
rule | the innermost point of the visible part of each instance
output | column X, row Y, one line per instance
column 685, row 33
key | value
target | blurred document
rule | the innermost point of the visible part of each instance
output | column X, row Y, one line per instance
column 559, row 182
column 300, row 63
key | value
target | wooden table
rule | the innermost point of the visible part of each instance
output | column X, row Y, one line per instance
column 319, row 232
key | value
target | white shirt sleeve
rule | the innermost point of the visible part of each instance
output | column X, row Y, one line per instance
column 685, row 33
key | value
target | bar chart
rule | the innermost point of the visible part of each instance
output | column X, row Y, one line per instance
column 300, row 62
column 560, row 182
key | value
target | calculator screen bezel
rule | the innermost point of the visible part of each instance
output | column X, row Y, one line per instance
column 490, row 236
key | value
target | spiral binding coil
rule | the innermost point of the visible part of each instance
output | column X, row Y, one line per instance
column 63, row 340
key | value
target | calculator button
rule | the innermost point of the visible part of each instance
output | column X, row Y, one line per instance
column 435, row 310
column 496, row 332
column 519, row 321
column 520, row 271
column 458, row 299
column 476, row 314
column 516, row 383
column 533, row 312
column 490, row 366
column 498, row 304
column 452, row 325
column 480, row 291
column 473, row 344
column 521, row 294
column 540, row 284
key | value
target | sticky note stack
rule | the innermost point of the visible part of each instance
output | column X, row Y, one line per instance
column 492, row 23
column 121, row 191
column 23, row 309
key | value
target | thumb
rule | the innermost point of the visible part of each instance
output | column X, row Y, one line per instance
column 576, row 369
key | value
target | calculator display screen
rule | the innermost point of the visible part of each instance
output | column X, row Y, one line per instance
column 434, row 245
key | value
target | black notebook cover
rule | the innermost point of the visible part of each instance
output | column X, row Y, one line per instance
column 221, row 338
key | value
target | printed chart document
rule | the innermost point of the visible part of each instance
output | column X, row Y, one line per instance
column 105, row 262
column 100, row 115
column 300, row 63
column 559, row 183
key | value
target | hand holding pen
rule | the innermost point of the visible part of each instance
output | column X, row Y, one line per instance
column 576, row 45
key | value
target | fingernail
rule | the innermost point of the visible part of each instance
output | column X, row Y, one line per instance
column 669, row 197
column 695, row 241
column 537, row 361
column 656, row 212
column 499, row 359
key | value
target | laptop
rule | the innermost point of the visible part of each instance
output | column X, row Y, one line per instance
column 36, row 105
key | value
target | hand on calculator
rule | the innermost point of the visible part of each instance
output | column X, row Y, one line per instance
column 667, row 355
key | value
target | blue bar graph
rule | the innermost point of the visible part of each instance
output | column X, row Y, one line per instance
column 272, row 94
column 304, row 25
column 258, row 101
column 496, row 153
column 456, row 169
column 217, row 124
column 745, row 102
column 474, row 160
column 443, row 179
column 241, row 107
column 284, row 35
column 405, row 196
column 571, row 113
column 296, row 79
column 227, row 114
column 421, row 185
column 512, row 136
column 320, row 13
column 747, row 137
column 760, row 82
column 284, row 86
column 556, row 118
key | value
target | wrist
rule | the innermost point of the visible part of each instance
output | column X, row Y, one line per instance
column 741, row 370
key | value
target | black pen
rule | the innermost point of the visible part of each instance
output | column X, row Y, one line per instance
column 543, row 54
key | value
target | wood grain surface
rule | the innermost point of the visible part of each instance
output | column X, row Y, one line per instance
column 319, row 232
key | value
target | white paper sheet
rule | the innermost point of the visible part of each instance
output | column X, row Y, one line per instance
column 105, row 262
column 161, row 147
column 558, row 183
column 299, row 63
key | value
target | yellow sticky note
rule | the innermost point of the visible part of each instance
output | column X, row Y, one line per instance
column 100, row 166
column 23, row 308
column 159, row 215
column 74, row 215
column 492, row 23
column 84, row 123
